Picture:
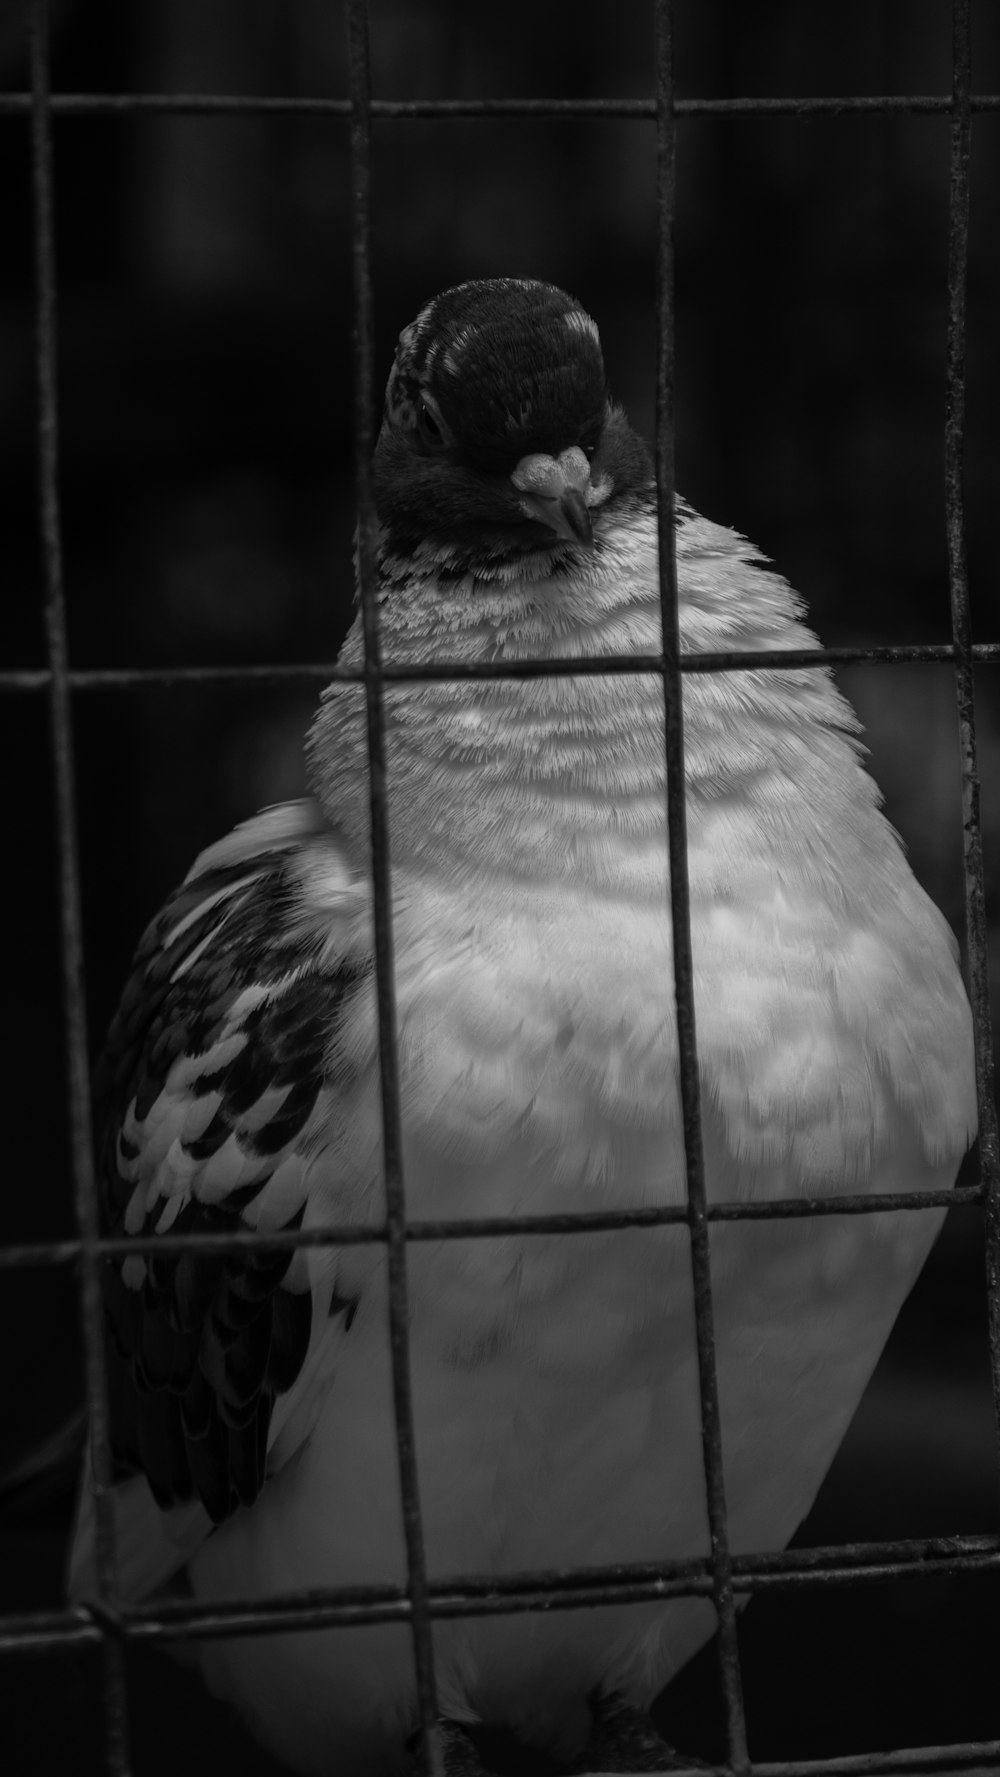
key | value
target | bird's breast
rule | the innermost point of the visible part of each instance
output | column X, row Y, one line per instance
column 547, row 1024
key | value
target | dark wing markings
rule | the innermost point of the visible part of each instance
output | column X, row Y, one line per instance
column 200, row 1345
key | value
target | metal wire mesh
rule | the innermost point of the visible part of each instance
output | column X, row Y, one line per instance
column 111, row 1623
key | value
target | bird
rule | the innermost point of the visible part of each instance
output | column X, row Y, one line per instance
column 554, row 1376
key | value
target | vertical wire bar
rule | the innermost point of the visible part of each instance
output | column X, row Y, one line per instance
column 680, row 904
column 364, row 408
column 70, row 918
column 961, row 620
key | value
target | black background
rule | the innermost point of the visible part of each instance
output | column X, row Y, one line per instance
column 205, row 380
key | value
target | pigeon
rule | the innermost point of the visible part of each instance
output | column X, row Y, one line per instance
column 555, row 1379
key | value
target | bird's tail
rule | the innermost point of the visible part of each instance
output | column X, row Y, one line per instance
column 38, row 1478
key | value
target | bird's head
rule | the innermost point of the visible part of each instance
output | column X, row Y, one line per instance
column 499, row 438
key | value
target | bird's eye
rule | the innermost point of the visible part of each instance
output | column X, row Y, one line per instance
column 429, row 427
column 589, row 444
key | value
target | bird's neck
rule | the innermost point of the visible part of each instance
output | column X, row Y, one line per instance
column 559, row 780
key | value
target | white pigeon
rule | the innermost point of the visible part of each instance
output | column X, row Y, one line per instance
column 555, row 1383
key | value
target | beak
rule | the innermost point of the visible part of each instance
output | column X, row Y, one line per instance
column 554, row 491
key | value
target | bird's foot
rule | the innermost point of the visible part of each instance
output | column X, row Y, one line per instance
column 623, row 1739
column 458, row 1753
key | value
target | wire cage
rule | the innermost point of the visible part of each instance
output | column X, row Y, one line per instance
column 112, row 1627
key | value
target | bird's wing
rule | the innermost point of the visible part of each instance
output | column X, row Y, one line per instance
column 213, row 1095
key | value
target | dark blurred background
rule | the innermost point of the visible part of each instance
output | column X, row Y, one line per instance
column 205, row 378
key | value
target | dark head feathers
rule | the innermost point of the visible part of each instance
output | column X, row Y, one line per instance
column 512, row 366
column 490, row 373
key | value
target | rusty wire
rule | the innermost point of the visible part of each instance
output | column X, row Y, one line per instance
column 85, row 1198
column 961, row 621
column 723, row 1596
column 556, row 110
column 431, row 1754
column 320, row 674
column 111, row 1624
column 65, row 1252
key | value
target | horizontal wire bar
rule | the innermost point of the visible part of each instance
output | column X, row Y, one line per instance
column 14, row 104
column 49, row 1631
column 322, row 673
column 472, row 1595
column 64, row 1252
column 908, row 1761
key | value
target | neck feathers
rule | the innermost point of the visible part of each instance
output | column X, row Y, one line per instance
column 563, row 779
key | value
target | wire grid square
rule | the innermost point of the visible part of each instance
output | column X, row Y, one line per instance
column 420, row 1601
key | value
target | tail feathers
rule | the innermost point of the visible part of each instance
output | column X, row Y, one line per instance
column 151, row 1546
column 45, row 1473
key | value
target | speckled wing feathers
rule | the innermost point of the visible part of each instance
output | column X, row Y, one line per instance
column 207, row 1091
